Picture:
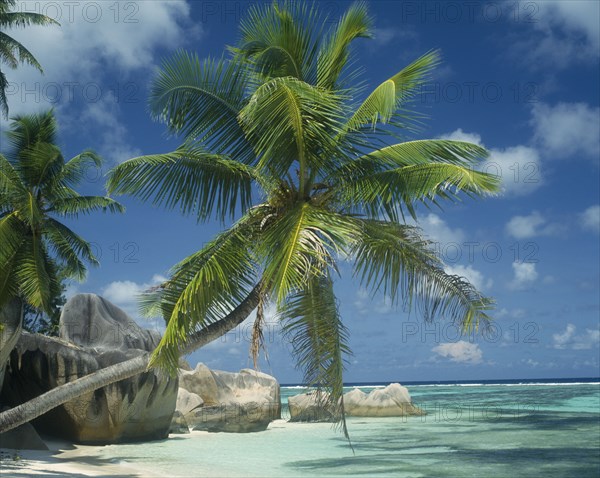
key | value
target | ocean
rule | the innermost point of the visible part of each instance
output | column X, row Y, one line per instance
column 516, row 428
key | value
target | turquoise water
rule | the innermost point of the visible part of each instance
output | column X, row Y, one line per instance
column 470, row 431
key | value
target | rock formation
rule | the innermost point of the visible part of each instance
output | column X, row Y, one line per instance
column 305, row 408
column 11, row 319
column 228, row 402
column 391, row 401
column 93, row 334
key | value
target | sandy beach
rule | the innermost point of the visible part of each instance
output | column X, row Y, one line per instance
column 63, row 460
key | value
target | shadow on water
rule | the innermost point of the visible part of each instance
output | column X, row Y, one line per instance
column 414, row 461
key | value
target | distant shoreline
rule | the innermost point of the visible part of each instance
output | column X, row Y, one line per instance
column 512, row 381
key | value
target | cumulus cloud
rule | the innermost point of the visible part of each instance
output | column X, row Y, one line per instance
column 570, row 340
column 439, row 232
column 524, row 227
column 525, row 275
column 590, row 218
column 461, row 351
column 96, row 39
column 518, row 166
column 559, row 34
column 474, row 276
column 125, row 294
column 567, row 130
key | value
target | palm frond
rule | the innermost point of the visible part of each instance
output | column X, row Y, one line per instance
column 393, row 178
column 305, row 117
column 12, row 53
column 27, row 130
column 74, row 206
column 201, row 100
column 69, row 247
column 10, row 181
column 385, row 100
column 334, row 53
column 301, row 243
column 35, row 274
column 280, row 40
column 24, row 19
column 203, row 288
column 393, row 258
column 312, row 322
column 197, row 182
column 75, row 169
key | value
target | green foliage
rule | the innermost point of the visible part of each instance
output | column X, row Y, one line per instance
column 278, row 124
column 37, row 251
column 12, row 53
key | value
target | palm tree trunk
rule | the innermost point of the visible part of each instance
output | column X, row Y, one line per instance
column 57, row 396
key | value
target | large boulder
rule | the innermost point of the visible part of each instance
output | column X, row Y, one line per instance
column 232, row 402
column 306, row 407
column 391, row 401
column 94, row 334
column 11, row 320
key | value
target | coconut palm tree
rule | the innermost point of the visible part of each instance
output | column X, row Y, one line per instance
column 11, row 51
column 36, row 190
column 275, row 138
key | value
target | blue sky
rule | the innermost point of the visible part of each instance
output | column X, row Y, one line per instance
column 521, row 78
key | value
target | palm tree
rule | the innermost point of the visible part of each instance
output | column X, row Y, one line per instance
column 36, row 190
column 275, row 136
column 279, row 122
column 11, row 51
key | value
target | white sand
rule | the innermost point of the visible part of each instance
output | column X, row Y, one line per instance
column 62, row 460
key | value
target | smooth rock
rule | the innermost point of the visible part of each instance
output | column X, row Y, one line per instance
column 187, row 401
column 233, row 402
column 391, row 401
column 11, row 321
column 306, row 408
column 135, row 409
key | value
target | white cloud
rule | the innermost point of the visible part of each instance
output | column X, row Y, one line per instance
column 460, row 135
column 568, row 339
column 125, row 294
column 461, row 351
column 93, row 39
column 524, row 227
column 590, row 218
column 438, row 231
column 518, row 166
column 474, row 276
column 559, row 34
column 524, row 275
column 567, row 130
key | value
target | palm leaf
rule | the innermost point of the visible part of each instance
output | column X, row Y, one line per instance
column 201, row 100
column 305, row 117
column 197, row 182
column 73, row 206
column 203, row 288
column 69, row 247
column 394, row 258
column 383, row 102
column 312, row 322
column 334, row 53
column 279, row 40
column 301, row 243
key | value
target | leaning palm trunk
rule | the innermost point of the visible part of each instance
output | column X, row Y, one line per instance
column 38, row 406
